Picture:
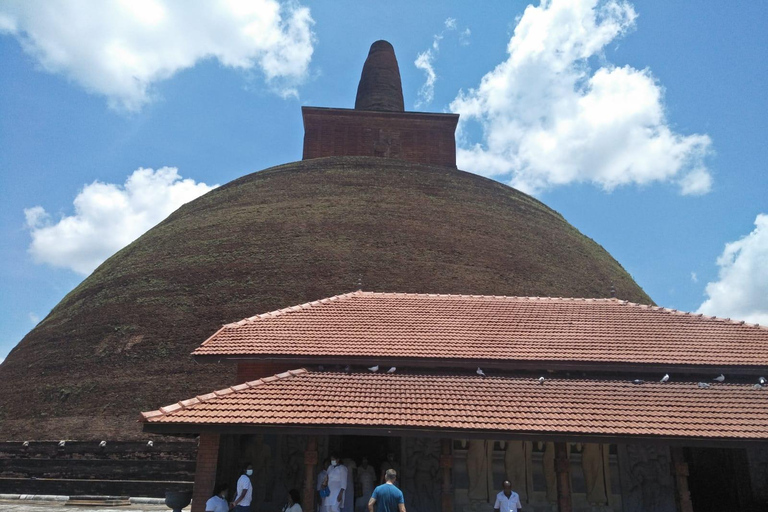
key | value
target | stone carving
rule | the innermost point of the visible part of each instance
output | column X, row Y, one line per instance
column 596, row 466
column 425, row 462
column 380, row 87
column 480, row 469
column 517, row 465
column 646, row 480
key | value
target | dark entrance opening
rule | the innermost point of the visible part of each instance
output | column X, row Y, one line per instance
column 719, row 479
column 375, row 448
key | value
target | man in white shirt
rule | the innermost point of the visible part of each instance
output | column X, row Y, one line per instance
column 337, row 483
column 244, row 494
column 507, row 500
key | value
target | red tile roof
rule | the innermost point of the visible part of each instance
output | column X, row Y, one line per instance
column 461, row 401
column 444, row 327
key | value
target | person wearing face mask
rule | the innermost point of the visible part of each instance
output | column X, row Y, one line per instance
column 218, row 502
column 242, row 502
column 337, row 484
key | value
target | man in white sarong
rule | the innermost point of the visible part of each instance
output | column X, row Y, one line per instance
column 337, row 483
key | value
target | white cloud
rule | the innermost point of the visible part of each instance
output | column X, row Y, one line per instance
column 694, row 277
column 120, row 48
column 741, row 291
column 108, row 217
column 548, row 119
column 425, row 61
column 35, row 319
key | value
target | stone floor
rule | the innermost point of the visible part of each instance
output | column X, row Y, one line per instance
column 61, row 506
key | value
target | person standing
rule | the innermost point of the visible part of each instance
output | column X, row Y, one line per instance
column 366, row 475
column 337, row 484
column 218, row 502
column 507, row 500
column 322, row 483
column 294, row 502
column 387, row 497
column 390, row 463
column 244, row 494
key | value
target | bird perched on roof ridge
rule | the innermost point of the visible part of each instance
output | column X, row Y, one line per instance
column 150, row 443
column 638, row 381
column 347, row 369
column 720, row 378
column 665, row 378
column 480, row 372
column 374, row 368
column 704, row 385
column 392, row 370
column 762, row 381
column 541, row 380
column 102, row 444
column 757, row 386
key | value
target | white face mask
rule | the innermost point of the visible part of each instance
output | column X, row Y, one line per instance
column 333, row 463
column 249, row 472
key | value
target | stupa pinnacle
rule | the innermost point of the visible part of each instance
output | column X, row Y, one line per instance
column 380, row 86
column 379, row 125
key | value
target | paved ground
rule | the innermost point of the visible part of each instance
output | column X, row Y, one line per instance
column 61, row 506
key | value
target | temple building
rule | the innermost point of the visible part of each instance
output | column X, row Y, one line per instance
column 584, row 404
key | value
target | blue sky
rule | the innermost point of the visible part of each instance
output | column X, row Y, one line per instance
column 643, row 123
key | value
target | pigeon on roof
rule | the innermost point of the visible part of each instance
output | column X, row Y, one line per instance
column 720, row 378
column 374, row 368
column 392, row 370
column 704, row 385
column 665, row 378
column 480, row 372
column 541, row 380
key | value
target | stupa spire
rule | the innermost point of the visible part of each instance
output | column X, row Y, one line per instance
column 380, row 87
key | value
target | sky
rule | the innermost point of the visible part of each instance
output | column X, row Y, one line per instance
column 643, row 123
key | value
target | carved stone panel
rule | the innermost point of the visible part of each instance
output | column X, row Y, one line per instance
column 646, row 479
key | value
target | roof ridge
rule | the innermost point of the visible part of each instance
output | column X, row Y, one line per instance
column 199, row 399
column 481, row 296
column 674, row 311
column 292, row 309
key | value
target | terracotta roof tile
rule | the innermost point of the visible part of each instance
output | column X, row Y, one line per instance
column 399, row 325
column 468, row 402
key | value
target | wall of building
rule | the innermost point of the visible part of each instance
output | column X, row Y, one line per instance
column 85, row 468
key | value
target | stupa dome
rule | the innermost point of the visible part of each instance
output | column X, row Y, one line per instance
column 120, row 342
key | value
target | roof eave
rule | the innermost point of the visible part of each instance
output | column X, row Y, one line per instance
column 498, row 364
column 500, row 435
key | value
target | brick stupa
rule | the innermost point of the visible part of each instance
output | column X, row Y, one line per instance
column 379, row 125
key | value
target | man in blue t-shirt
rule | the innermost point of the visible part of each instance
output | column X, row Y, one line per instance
column 387, row 497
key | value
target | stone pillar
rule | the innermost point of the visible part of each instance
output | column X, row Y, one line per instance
column 205, row 470
column 446, row 463
column 563, row 468
column 310, row 461
column 680, row 472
